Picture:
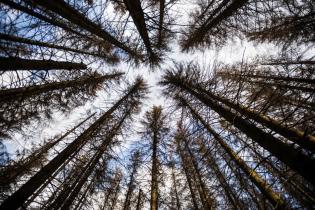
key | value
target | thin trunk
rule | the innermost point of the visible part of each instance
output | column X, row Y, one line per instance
column 31, row 12
column 12, row 173
column 17, row 199
column 24, row 92
column 130, row 187
column 102, row 148
column 205, row 195
column 189, row 180
column 11, row 64
column 13, row 38
column 136, row 12
column 285, row 86
column 115, row 198
column 161, row 21
column 293, row 158
column 176, row 191
column 154, row 176
column 139, row 200
column 236, row 76
column 285, row 63
column 211, row 162
column 266, row 190
column 66, row 11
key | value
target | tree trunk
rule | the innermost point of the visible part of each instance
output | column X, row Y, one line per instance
column 24, row 92
column 17, row 199
column 198, row 35
column 293, row 158
column 12, row 173
column 13, row 38
column 272, row 196
column 136, row 12
column 11, row 64
column 233, row 200
column 205, row 196
column 66, row 11
column 176, row 191
column 161, row 22
column 139, row 200
column 154, row 176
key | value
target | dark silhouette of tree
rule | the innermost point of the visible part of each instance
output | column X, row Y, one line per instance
column 20, row 105
column 155, row 129
column 130, row 99
column 183, row 80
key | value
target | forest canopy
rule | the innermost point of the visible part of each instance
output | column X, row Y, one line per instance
column 157, row 104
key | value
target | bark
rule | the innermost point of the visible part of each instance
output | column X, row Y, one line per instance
column 233, row 200
column 12, row 173
column 197, row 36
column 274, row 198
column 25, row 92
column 68, row 12
column 11, row 64
column 13, row 38
column 136, row 12
column 17, row 199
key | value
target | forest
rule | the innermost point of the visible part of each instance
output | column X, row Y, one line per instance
column 157, row 104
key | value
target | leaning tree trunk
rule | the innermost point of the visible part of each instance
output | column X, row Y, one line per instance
column 12, row 173
column 13, row 38
column 205, row 195
column 25, row 92
column 68, row 12
column 293, row 158
column 272, row 196
column 11, row 64
column 198, row 35
column 136, row 12
column 17, row 199
column 139, row 200
column 211, row 162
column 154, row 176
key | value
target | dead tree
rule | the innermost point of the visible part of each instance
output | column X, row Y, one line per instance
column 25, row 191
column 301, row 163
column 11, row 64
column 274, row 198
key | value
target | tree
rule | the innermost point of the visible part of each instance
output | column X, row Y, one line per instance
column 132, row 97
column 20, row 105
column 154, row 129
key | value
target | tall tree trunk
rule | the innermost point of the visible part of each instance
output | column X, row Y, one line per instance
column 189, row 180
column 24, row 92
column 285, row 86
column 233, row 200
column 175, row 190
column 154, row 175
column 13, row 38
column 31, row 12
column 274, row 198
column 12, row 173
column 237, row 76
column 205, row 195
column 17, row 199
column 66, row 11
column 94, row 161
column 136, row 12
column 161, row 22
column 293, row 158
column 298, row 62
column 11, row 64
column 139, row 200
